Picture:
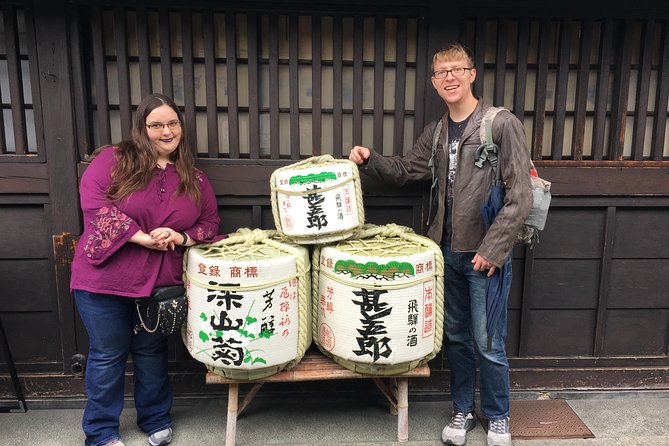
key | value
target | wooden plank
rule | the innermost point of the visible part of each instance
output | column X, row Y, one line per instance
column 379, row 67
column 358, row 28
column 17, row 221
column 582, row 78
column 210, row 84
column 621, row 86
column 479, row 55
column 316, row 367
column 165, row 52
column 35, row 89
column 254, row 114
column 643, row 89
column 100, row 77
column 641, row 233
column 80, row 102
column 144, row 52
column 635, row 332
column 662, row 97
column 316, row 88
column 602, row 89
column 422, row 68
column 601, row 325
column 123, row 71
column 26, row 277
column 560, row 104
column 274, row 128
column 520, row 80
column 189, row 77
column 231, row 70
column 561, row 332
column 15, row 78
column 293, row 86
column 540, row 90
column 400, row 86
column 502, row 42
column 639, row 283
column 337, row 81
column 24, row 178
column 607, row 181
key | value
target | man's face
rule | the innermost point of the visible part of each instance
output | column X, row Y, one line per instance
column 453, row 88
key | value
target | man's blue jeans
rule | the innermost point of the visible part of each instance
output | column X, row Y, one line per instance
column 109, row 321
column 466, row 338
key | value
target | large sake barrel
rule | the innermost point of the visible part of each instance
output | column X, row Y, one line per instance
column 317, row 200
column 249, row 298
column 378, row 300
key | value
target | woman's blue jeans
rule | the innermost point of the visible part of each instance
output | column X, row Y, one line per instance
column 466, row 339
column 109, row 321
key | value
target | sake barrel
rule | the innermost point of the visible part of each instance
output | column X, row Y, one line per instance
column 378, row 300
column 249, row 298
column 317, row 200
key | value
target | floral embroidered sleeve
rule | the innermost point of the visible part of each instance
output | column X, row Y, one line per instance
column 106, row 228
column 207, row 226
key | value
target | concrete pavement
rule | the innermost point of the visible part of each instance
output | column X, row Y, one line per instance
column 616, row 419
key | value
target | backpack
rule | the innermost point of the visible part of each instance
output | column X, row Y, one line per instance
column 541, row 189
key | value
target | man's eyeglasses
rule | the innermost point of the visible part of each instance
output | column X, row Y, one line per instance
column 457, row 72
column 159, row 125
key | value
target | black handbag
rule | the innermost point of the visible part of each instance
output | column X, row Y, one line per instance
column 164, row 311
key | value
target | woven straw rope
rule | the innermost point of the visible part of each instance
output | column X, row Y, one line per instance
column 305, row 164
column 387, row 231
column 253, row 240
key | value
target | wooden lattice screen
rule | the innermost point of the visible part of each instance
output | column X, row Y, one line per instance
column 585, row 89
column 259, row 84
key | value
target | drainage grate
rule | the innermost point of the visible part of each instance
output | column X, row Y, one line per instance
column 544, row 419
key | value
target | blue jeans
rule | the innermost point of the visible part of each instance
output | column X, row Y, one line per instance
column 109, row 321
column 466, row 339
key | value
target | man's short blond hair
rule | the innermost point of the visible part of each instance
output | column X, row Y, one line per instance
column 453, row 52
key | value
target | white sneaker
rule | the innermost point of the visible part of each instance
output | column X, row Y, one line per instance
column 161, row 437
column 455, row 433
column 499, row 433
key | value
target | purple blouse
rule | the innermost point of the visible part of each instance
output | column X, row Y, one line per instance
column 106, row 261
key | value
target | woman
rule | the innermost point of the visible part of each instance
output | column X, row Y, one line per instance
column 142, row 201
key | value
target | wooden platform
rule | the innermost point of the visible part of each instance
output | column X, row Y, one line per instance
column 314, row 366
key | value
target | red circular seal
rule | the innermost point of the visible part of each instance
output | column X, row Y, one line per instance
column 327, row 337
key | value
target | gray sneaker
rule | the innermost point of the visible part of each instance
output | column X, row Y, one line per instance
column 499, row 433
column 161, row 437
column 455, row 433
column 114, row 442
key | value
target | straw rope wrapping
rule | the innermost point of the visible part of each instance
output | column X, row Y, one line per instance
column 305, row 164
column 253, row 241
column 386, row 231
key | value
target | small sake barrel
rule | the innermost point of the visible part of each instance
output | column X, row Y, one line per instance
column 249, row 298
column 378, row 300
column 318, row 200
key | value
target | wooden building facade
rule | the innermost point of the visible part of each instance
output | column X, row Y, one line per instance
column 266, row 83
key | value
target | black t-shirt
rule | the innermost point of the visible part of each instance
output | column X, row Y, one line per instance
column 455, row 130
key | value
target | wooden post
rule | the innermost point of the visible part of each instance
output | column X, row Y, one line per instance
column 231, row 426
column 402, row 409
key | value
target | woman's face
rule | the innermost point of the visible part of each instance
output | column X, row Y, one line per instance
column 164, row 131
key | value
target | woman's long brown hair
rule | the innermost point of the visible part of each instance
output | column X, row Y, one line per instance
column 137, row 161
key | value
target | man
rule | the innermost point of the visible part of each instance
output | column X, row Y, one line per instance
column 471, row 253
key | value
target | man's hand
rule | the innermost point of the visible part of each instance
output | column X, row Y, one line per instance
column 481, row 264
column 359, row 154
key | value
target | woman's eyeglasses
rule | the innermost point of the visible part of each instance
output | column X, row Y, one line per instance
column 159, row 125
column 457, row 72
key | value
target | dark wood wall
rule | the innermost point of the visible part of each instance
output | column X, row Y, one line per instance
column 268, row 83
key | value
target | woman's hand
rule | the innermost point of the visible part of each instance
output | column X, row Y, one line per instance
column 167, row 237
column 145, row 240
